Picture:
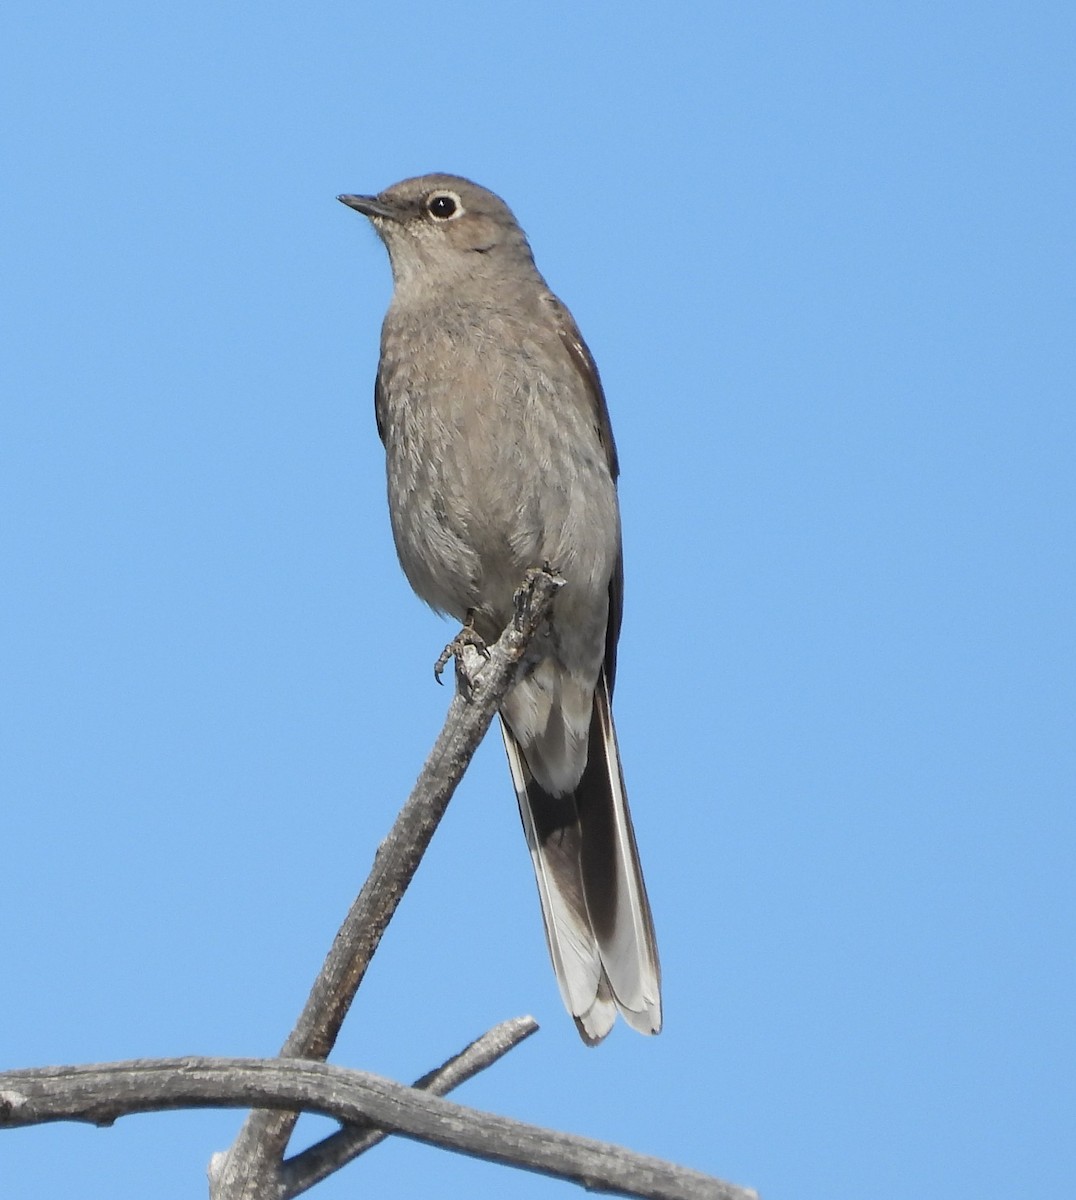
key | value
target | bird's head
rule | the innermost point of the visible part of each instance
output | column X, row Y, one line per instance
column 443, row 227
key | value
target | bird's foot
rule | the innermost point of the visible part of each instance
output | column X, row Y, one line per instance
column 467, row 636
column 524, row 594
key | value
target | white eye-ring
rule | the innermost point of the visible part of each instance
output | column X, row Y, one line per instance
column 444, row 206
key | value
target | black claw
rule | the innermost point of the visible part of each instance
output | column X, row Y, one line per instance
column 466, row 637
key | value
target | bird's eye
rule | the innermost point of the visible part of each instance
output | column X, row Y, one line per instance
column 444, row 206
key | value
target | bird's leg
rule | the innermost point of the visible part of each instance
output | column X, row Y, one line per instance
column 467, row 636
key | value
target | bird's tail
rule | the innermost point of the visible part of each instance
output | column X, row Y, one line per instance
column 594, row 904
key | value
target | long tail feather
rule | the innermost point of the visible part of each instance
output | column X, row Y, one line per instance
column 594, row 904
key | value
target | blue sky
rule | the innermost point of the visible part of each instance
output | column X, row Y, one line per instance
column 824, row 256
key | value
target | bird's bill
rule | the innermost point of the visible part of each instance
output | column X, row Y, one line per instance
column 370, row 206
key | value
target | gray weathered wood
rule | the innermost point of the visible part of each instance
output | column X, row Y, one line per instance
column 320, row 1160
column 101, row 1093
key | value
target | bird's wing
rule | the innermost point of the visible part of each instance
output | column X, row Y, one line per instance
column 581, row 358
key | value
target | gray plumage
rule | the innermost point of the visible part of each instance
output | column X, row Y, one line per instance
column 500, row 458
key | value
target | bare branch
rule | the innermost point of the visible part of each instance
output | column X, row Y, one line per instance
column 103, row 1092
column 250, row 1170
column 323, row 1158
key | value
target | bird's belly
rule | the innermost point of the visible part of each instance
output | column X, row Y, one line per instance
column 476, row 513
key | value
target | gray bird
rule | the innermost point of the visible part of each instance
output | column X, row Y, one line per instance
column 500, row 458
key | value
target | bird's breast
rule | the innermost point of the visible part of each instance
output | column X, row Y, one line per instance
column 493, row 464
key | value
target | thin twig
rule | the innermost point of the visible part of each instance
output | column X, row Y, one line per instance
column 101, row 1093
column 319, row 1161
column 251, row 1169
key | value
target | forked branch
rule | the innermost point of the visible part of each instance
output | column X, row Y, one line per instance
column 251, row 1169
column 367, row 1106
